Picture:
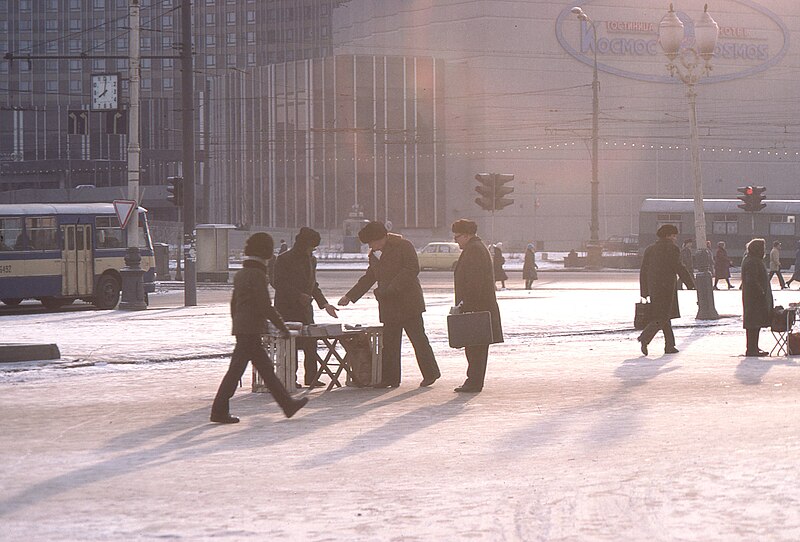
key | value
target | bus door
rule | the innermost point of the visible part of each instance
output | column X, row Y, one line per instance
column 76, row 260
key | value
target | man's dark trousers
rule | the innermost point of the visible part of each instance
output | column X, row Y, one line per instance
column 248, row 348
column 652, row 328
column 476, row 365
column 392, row 338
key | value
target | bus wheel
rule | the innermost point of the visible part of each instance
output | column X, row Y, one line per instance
column 53, row 302
column 12, row 302
column 107, row 293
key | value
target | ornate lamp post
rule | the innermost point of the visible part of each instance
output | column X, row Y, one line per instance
column 692, row 63
column 594, row 249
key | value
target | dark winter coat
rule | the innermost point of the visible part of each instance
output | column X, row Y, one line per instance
column 251, row 305
column 687, row 258
column 399, row 293
column 529, row 266
column 497, row 264
column 756, row 294
column 796, row 274
column 661, row 265
column 296, row 285
column 474, row 284
column 722, row 264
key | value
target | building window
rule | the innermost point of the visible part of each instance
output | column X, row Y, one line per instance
column 167, row 83
column 230, row 38
column 24, row 86
column 231, row 59
column 211, row 19
column 51, row 5
column 782, row 226
column 51, row 65
column 147, row 43
column 166, row 43
column 211, row 61
column 725, row 225
column 167, row 63
column 51, row 86
column 75, row 5
column 147, row 83
column 251, row 59
column 122, row 44
column 52, row 47
column 75, row 86
column 251, row 38
column 99, row 4
column 146, row 63
column 25, row 25
column 211, row 40
column 24, row 5
column 51, row 25
column 25, row 46
column 230, row 17
column 251, row 17
column 99, row 65
column 166, row 21
column 74, row 65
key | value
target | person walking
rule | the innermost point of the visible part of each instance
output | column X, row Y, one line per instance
column 394, row 265
column 796, row 275
column 497, row 262
column 529, row 267
column 722, row 266
column 756, row 296
column 295, row 288
column 687, row 260
column 661, row 266
column 775, row 263
column 251, row 307
column 473, row 281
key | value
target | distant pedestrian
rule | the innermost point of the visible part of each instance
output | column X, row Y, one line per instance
column 796, row 274
column 295, row 289
column 497, row 263
column 775, row 264
column 687, row 260
column 394, row 265
column 722, row 266
column 284, row 247
column 529, row 267
column 474, row 291
column 661, row 266
column 251, row 307
column 756, row 296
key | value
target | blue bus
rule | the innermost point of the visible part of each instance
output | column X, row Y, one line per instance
column 60, row 252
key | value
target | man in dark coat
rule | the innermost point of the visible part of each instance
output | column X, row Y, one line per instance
column 473, row 280
column 296, row 287
column 756, row 296
column 394, row 265
column 687, row 259
column 661, row 266
column 250, row 309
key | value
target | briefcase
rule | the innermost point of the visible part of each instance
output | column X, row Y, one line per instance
column 469, row 329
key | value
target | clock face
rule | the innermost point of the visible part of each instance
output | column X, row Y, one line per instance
column 105, row 91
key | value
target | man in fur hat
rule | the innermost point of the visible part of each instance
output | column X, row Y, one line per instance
column 295, row 288
column 394, row 265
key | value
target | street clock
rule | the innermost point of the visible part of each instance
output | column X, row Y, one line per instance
column 105, row 91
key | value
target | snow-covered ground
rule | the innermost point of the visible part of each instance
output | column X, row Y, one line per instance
column 576, row 436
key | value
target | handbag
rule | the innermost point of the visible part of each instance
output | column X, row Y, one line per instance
column 469, row 329
column 642, row 315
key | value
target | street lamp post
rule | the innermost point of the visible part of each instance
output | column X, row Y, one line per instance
column 693, row 63
column 594, row 248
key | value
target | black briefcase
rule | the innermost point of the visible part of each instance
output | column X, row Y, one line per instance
column 469, row 329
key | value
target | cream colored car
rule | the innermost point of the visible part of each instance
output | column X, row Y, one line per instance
column 439, row 256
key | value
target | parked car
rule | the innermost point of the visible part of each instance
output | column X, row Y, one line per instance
column 439, row 255
column 628, row 244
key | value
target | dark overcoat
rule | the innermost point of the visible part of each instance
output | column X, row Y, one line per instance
column 251, row 306
column 296, row 285
column 529, row 266
column 396, row 271
column 661, row 265
column 756, row 294
column 497, row 262
column 796, row 274
column 722, row 264
column 473, row 279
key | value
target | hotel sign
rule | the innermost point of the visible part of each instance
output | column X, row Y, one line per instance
column 751, row 38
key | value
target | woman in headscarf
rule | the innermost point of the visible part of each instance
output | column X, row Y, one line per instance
column 756, row 296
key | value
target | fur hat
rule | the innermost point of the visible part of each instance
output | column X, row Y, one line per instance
column 666, row 230
column 373, row 231
column 462, row 225
column 260, row 245
column 308, row 237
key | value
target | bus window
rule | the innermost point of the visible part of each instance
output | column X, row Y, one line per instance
column 42, row 233
column 109, row 234
column 10, row 231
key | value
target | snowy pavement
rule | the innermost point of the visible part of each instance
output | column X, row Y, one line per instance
column 576, row 436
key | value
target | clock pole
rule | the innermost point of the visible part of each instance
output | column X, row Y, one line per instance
column 133, row 297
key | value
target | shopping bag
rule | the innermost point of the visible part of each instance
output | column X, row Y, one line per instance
column 642, row 316
column 793, row 343
column 469, row 329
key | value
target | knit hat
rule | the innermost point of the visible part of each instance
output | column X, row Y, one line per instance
column 373, row 231
column 462, row 225
column 666, row 230
column 259, row 244
column 530, row 246
column 307, row 237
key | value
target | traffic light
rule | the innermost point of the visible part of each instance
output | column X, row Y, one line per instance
column 486, row 190
column 500, row 191
column 751, row 197
column 175, row 189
